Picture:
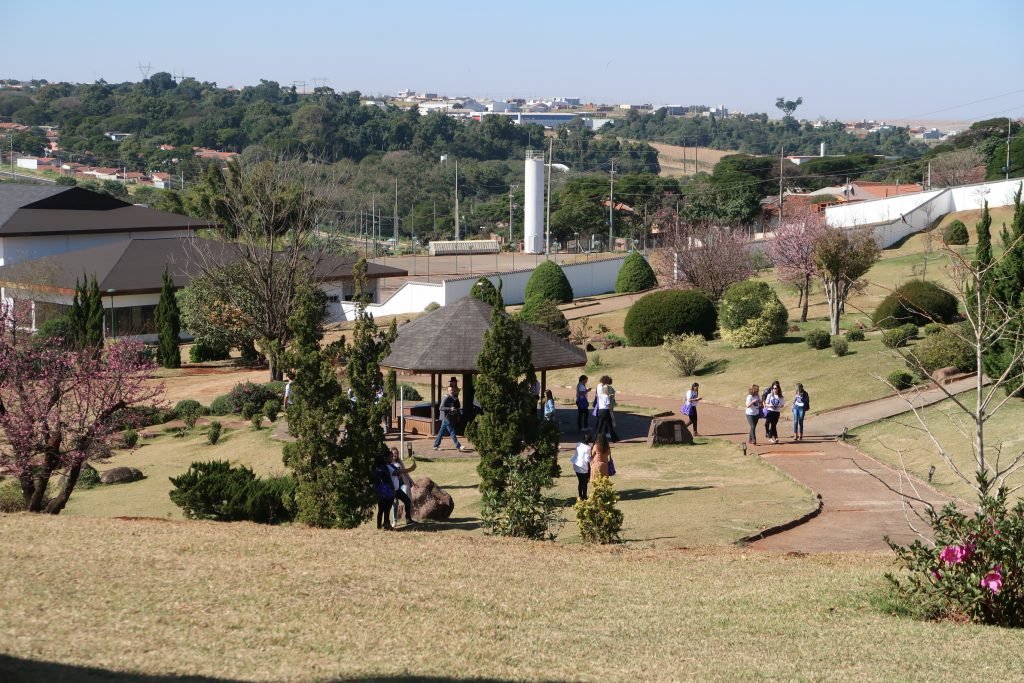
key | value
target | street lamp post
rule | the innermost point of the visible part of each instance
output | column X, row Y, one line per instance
column 113, row 314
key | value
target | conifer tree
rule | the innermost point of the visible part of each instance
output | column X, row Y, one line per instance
column 1006, row 290
column 484, row 290
column 983, row 253
column 168, row 323
column 509, row 425
column 315, row 418
column 93, row 334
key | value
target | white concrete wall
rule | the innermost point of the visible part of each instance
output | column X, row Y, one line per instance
column 587, row 279
column 893, row 219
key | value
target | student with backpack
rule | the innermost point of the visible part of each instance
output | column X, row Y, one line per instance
column 801, row 404
column 384, row 490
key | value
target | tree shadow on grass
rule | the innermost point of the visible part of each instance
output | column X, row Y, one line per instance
column 642, row 494
column 715, row 367
column 450, row 524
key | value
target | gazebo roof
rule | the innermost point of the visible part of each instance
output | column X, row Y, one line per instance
column 450, row 339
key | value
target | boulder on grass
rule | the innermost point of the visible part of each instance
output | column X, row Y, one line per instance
column 429, row 501
column 121, row 475
column 668, row 430
column 945, row 375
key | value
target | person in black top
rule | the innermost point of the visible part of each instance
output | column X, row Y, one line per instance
column 450, row 411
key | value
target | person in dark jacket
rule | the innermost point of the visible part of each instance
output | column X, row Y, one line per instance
column 450, row 411
column 801, row 404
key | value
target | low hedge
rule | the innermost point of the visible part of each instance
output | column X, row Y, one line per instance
column 676, row 311
column 917, row 301
column 945, row 349
column 899, row 336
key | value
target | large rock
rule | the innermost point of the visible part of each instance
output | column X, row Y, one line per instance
column 121, row 475
column 668, row 430
column 429, row 501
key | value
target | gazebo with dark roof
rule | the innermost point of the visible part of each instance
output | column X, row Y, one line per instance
column 449, row 340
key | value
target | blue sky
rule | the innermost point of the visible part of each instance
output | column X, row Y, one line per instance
column 846, row 59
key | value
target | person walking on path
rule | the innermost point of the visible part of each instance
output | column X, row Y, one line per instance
column 773, row 405
column 600, row 457
column 605, row 399
column 581, row 466
column 690, row 406
column 764, row 398
column 450, row 409
column 801, row 404
column 752, row 409
column 582, row 404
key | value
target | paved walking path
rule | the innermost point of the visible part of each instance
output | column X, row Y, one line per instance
column 860, row 502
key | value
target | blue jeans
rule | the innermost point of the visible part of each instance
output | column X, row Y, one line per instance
column 798, row 420
column 446, row 428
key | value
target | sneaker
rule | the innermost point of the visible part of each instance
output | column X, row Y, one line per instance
column 437, row 448
column 460, row 449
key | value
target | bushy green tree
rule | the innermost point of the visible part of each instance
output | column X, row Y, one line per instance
column 916, row 301
column 548, row 281
column 635, row 275
column 956, row 233
column 168, row 322
column 1005, row 286
column 752, row 315
column 484, row 290
column 87, row 314
column 509, row 429
column 658, row 314
column 598, row 517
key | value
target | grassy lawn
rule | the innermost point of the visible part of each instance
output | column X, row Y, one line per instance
column 704, row 494
column 831, row 381
column 888, row 439
column 246, row 602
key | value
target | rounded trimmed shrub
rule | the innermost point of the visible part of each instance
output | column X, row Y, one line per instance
column 635, row 275
column 818, row 339
column 933, row 328
column 840, row 346
column 854, row 335
column 546, row 315
column 213, row 434
column 752, row 315
column 11, row 497
column 917, row 301
column 901, row 379
column 676, row 311
column 899, row 336
column 203, row 351
column 549, row 282
column 956, row 233
column 129, row 439
column 271, row 409
column 431, row 307
column 255, row 394
column 944, row 350
column 221, row 405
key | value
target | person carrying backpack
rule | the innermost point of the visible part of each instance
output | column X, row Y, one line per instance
column 384, row 490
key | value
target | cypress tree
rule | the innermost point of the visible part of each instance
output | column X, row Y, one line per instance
column 168, row 322
column 1006, row 287
column 983, row 254
column 93, row 310
column 77, row 315
column 484, row 290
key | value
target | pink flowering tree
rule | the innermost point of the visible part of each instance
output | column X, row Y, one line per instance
column 703, row 256
column 792, row 253
column 61, row 409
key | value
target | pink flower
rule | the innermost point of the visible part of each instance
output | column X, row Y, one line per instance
column 936, row 575
column 993, row 580
column 955, row 554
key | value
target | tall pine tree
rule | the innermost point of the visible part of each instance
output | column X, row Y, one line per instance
column 1006, row 287
column 87, row 314
column 168, row 323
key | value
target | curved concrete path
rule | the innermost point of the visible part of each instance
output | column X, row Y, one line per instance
column 860, row 502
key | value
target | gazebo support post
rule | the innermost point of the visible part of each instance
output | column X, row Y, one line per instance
column 433, row 404
column 468, row 411
column 543, row 388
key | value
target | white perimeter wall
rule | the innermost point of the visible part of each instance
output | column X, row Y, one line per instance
column 587, row 279
column 894, row 218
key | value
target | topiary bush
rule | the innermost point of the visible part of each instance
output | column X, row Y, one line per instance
column 900, row 379
column 956, row 233
column 933, row 328
column 221, row 405
column 213, row 434
column 545, row 314
column 548, row 281
column 854, row 335
column 635, row 274
column 257, row 421
column 254, row 394
column 818, row 339
column 598, row 517
column 899, row 336
column 11, row 497
column 129, row 439
column 943, row 350
column 203, row 351
column 678, row 311
column 751, row 314
column 89, row 478
column 686, row 352
column 216, row 490
column 840, row 347
column 409, row 393
column 917, row 301
column 271, row 409
column 431, row 307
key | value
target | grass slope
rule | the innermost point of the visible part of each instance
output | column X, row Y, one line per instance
column 246, row 602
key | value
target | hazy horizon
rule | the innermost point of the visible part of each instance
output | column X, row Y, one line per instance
column 873, row 60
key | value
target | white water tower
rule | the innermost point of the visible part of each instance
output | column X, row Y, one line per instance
column 533, row 211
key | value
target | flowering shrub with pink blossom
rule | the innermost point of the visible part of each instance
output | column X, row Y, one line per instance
column 974, row 569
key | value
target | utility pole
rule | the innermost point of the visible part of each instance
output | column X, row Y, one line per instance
column 782, row 157
column 509, row 215
column 1007, row 147
column 547, row 220
column 929, row 175
column 373, row 222
column 611, row 209
column 396, row 215
column 456, row 200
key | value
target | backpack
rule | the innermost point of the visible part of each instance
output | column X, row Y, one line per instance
column 382, row 482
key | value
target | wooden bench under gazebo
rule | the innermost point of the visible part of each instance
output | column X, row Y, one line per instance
column 447, row 342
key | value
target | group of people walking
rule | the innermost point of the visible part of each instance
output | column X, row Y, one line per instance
column 769, row 406
column 602, row 407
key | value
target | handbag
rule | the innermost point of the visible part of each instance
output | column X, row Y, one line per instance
column 611, row 467
column 764, row 412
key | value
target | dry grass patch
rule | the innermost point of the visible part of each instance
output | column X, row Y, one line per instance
column 887, row 438
column 245, row 602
